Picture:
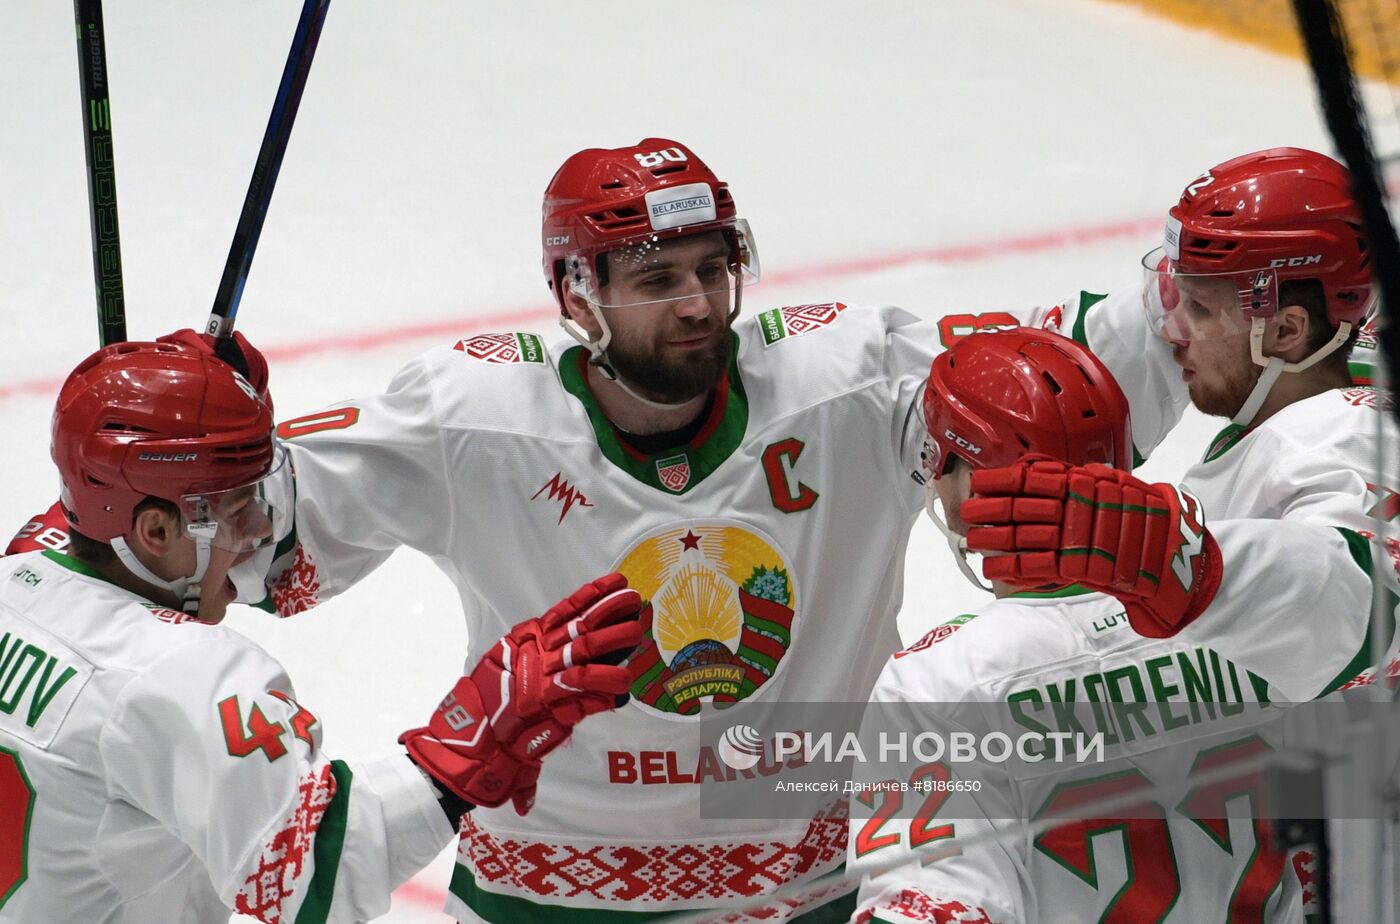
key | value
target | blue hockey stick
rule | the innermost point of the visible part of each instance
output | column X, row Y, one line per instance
column 274, row 145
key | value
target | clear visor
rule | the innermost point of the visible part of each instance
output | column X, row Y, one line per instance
column 237, row 519
column 655, row 268
column 1198, row 306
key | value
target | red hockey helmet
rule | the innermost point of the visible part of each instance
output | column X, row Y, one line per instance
column 137, row 420
column 1262, row 219
column 607, row 199
column 994, row 397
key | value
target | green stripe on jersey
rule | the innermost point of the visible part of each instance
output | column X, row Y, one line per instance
column 1087, row 300
column 1360, row 548
column 330, row 839
column 1071, row 590
column 1078, row 334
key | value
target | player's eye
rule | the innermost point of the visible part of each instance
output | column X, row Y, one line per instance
column 657, row 282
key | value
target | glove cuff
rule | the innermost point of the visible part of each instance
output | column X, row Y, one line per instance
column 1212, row 569
column 1149, row 622
column 452, row 805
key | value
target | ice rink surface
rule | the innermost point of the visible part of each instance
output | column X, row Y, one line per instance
column 943, row 156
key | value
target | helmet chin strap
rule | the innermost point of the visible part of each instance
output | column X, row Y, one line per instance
column 186, row 588
column 955, row 542
column 597, row 349
column 598, row 357
column 1275, row 366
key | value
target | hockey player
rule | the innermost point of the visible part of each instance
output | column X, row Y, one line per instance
column 1019, row 664
column 750, row 477
column 156, row 768
column 1253, row 306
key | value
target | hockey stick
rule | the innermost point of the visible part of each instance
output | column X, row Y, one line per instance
column 269, row 162
column 101, row 171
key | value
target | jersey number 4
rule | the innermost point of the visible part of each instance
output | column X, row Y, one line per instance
column 262, row 735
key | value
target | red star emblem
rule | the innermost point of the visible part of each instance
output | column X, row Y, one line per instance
column 690, row 541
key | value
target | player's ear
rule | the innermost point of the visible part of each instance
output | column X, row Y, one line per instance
column 576, row 306
column 155, row 530
column 1290, row 332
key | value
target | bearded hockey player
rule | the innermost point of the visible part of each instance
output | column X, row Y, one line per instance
column 993, row 401
column 154, row 767
column 751, row 478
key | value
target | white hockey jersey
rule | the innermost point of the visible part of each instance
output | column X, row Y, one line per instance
column 1032, row 652
column 157, row 769
column 770, row 549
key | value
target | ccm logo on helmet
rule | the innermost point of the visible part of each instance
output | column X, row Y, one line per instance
column 558, row 241
column 1295, row 261
column 962, row 443
column 168, row 456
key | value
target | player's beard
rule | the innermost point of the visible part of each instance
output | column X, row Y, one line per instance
column 1233, row 381
column 642, row 361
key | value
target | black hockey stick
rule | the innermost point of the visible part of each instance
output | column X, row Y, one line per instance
column 269, row 162
column 101, row 171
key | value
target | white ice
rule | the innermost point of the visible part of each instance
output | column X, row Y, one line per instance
column 967, row 146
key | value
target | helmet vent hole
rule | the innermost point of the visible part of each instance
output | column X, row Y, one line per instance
column 1089, row 413
column 1050, row 380
column 615, row 184
column 667, row 168
column 1222, row 213
column 119, row 427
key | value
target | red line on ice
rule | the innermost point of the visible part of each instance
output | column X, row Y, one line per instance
column 416, row 893
column 378, row 339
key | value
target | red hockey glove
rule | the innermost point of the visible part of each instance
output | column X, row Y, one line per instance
column 245, row 358
column 485, row 741
column 48, row 530
column 1100, row 527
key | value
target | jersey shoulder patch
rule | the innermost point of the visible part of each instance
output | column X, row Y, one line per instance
column 1368, row 396
column 937, row 634
column 165, row 614
column 777, row 324
column 503, row 349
